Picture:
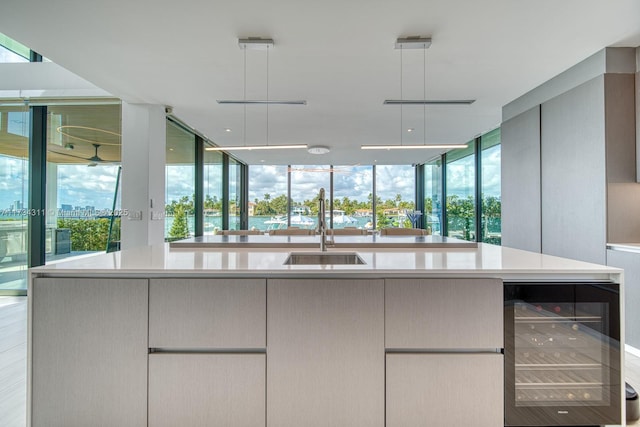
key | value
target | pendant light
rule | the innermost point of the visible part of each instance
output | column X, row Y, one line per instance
column 256, row 43
column 424, row 44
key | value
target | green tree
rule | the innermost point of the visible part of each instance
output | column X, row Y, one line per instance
column 460, row 215
column 89, row 234
column 179, row 228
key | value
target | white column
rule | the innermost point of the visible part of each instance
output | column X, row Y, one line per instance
column 143, row 172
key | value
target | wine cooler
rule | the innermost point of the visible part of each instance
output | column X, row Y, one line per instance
column 562, row 354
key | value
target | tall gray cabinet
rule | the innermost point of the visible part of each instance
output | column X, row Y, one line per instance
column 568, row 165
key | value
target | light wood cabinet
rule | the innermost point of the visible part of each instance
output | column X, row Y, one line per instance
column 89, row 352
column 441, row 389
column 200, row 390
column 207, row 313
column 443, row 314
column 325, row 353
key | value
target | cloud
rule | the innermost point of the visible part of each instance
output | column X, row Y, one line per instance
column 79, row 185
column 393, row 179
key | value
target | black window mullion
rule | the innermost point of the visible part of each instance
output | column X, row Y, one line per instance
column 444, row 226
column 244, row 196
column 289, row 196
column 35, row 56
column 478, row 211
column 225, row 191
column 373, row 201
column 419, row 204
column 198, row 201
column 37, row 185
column 331, row 196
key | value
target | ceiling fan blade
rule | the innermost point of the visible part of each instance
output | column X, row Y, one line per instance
column 68, row 155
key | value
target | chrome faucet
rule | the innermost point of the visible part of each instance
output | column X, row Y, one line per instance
column 322, row 225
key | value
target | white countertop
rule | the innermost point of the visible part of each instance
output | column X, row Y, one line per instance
column 483, row 261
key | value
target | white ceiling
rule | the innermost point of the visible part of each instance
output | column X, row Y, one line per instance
column 337, row 54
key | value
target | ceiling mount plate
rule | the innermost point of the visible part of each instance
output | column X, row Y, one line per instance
column 255, row 43
column 413, row 42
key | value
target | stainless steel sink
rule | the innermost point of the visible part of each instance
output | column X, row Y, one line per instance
column 323, row 258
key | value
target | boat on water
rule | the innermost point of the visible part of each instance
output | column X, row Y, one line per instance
column 339, row 217
column 297, row 220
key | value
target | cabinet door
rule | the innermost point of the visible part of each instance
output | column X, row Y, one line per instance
column 207, row 313
column 325, row 353
column 89, row 352
column 441, row 389
column 193, row 390
column 444, row 313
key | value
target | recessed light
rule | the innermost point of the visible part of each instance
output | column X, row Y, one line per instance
column 227, row 130
column 410, row 130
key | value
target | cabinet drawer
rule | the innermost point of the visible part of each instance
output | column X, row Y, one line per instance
column 455, row 389
column 207, row 313
column 443, row 313
column 207, row 390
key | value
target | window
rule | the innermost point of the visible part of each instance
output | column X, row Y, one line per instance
column 395, row 195
column 83, row 168
column 491, row 204
column 12, row 51
column 212, row 192
column 306, row 181
column 14, row 175
column 433, row 197
column 179, row 182
column 352, row 197
column 460, row 192
column 267, row 197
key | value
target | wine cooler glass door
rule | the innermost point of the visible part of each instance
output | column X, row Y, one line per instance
column 562, row 354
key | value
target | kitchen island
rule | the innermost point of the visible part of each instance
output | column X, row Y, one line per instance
column 233, row 336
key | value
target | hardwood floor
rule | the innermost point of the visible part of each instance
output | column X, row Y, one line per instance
column 632, row 374
column 13, row 363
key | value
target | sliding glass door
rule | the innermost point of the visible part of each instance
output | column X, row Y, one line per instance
column 14, row 185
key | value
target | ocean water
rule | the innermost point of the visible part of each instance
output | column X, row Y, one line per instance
column 261, row 223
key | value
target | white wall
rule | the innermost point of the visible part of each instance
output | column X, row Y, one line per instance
column 143, row 174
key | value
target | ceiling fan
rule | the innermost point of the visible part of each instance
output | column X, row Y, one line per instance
column 93, row 160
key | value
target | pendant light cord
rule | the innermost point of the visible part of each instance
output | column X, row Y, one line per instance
column 401, row 105
column 244, row 97
column 424, row 95
column 267, row 95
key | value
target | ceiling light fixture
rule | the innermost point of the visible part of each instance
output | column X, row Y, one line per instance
column 318, row 149
column 429, row 101
column 417, row 43
column 256, row 43
column 262, row 101
column 412, row 147
column 423, row 43
column 255, row 147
